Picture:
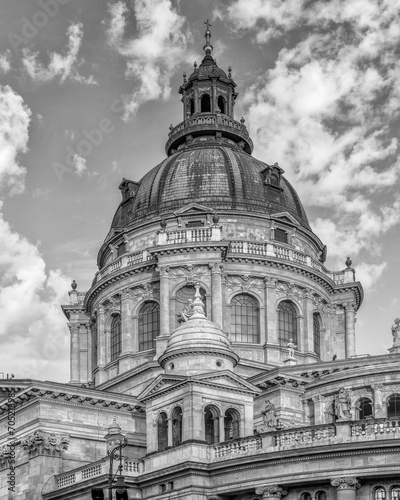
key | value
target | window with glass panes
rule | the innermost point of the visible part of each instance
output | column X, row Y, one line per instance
column 281, row 235
column 380, row 493
column 115, row 337
column 245, row 319
column 395, row 493
column 287, row 322
column 149, row 325
column 317, row 333
column 393, row 406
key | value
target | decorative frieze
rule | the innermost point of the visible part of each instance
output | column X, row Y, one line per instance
column 41, row 443
column 190, row 273
column 244, row 282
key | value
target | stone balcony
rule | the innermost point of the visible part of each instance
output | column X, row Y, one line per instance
column 210, row 123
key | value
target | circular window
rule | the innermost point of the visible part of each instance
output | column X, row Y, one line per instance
column 219, row 363
column 171, row 366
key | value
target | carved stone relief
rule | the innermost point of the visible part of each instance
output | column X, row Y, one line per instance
column 41, row 443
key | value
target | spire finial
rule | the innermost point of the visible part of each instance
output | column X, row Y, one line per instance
column 208, row 47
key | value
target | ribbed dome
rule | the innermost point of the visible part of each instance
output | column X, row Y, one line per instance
column 222, row 177
column 207, row 68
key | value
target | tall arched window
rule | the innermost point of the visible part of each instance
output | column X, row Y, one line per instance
column 94, row 342
column 115, row 337
column 232, row 424
column 149, row 325
column 183, row 295
column 176, row 426
column 191, row 106
column 393, row 406
column 317, row 333
column 205, row 103
column 245, row 324
column 211, row 424
column 221, row 104
column 395, row 493
column 379, row 493
column 306, row 496
column 364, row 408
column 287, row 322
column 162, row 431
column 320, row 495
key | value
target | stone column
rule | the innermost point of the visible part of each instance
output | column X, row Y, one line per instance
column 318, row 410
column 213, row 97
column 345, row 487
column 230, row 109
column 216, row 293
column 349, row 308
column 89, row 364
column 270, row 319
column 164, row 300
column 126, row 322
column 273, row 492
column 74, row 360
column 196, row 98
column 101, row 344
column 378, row 402
column 170, row 431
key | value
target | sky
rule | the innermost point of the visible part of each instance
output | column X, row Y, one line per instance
column 88, row 89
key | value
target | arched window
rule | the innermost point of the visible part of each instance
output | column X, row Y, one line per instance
column 274, row 180
column 379, row 493
column 395, row 493
column 176, row 426
column 232, row 424
column 364, row 408
column 115, row 337
column 211, row 424
column 221, row 104
column 317, row 333
column 183, row 295
column 162, row 431
column 287, row 322
column 320, row 495
column 149, row 325
column 306, row 496
column 393, row 406
column 311, row 412
column 245, row 325
column 205, row 103
column 191, row 106
column 94, row 342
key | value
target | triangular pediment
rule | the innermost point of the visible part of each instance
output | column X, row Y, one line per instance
column 227, row 379
column 162, row 384
column 286, row 217
column 193, row 208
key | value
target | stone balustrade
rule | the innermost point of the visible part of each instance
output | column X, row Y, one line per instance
column 123, row 262
column 299, row 437
column 237, row 447
column 131, row 468
column 189, row 235
column 377, row 428
column 210, row 119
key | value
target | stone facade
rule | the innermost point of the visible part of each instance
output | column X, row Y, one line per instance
column 218, row 340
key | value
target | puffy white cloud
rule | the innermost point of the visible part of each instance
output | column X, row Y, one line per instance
column 14, row 124
column 154, row 54
column 326, row 111
column 79, row 164
column 5, row 65
column 63, row 66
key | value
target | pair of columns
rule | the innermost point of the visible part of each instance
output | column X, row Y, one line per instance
column 345, row 489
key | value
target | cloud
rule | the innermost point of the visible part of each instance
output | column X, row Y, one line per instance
column 79, row 164
column 65, row 67
column 369, row 274
column 154, row 55
column 5, row 65
column 327, row 110
column 32, row 328
column 14, row 124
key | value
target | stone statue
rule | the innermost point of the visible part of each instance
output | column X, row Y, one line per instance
column 291, row 347
column 396, row 332
column 269, row 415
column 187, row 312
column 343, row 404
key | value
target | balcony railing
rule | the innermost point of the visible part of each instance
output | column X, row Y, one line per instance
column 189, row 235
column 305, row 436
column 376, row 428
column 122, row 262
column 131, row 468
column 237, row 447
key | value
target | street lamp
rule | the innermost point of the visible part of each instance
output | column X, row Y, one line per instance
column 115, row 442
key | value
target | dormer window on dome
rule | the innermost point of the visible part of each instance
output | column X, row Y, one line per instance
column 272, row 176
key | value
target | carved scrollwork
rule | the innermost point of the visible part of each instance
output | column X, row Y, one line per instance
column 271, row 491
column 245, row 282
column 345, row 483
column 190, row 273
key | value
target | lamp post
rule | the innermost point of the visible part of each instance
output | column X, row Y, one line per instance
column 115, row 442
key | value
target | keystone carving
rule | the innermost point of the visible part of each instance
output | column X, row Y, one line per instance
column 345, row 483
column 41, row 443
column 271, row 491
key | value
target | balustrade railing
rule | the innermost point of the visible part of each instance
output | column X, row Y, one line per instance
column 189, row 235
column 376, row 428
column 211, row 119
column 305, row 435
column 237, row 447
column 122, row 262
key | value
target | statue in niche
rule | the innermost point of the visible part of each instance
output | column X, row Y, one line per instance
column 186, row 313
column 396, row 332
column 291, row 346
column 269, row 415
column 343, row 404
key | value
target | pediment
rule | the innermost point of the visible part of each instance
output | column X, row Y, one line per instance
column 161, row 384
column 286, row 217
column 227, row 379
column 193, row 208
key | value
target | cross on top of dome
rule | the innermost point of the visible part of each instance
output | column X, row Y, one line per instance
column 208, row 47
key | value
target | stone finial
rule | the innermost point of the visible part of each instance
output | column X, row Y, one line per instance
column 207, row 47
column 348, row 262
column 273, row 491
column 74, row 285
column 242, row 120
column 163, row 223
column 184, row 78
column 197, row 305
column 195, row 66
column 396, row 332
column 229, row 72
column 345, row 483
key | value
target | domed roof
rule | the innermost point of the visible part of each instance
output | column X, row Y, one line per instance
column 218, row 175
column 207, row 68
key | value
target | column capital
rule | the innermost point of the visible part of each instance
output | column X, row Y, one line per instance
column 345, row 483
column 126, row 294
column 349, row 306
column 216, row 267
column 73, row 327
column 164, row 271
column 271, row 491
